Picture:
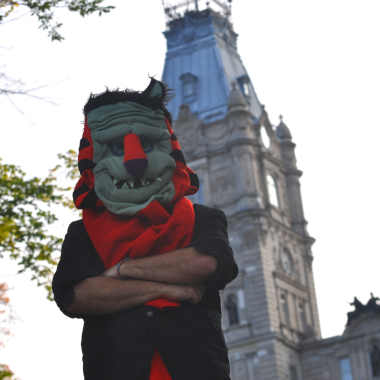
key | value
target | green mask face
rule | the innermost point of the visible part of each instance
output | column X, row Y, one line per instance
column 118, row 188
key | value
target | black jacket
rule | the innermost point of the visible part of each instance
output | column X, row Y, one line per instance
column 120, row 345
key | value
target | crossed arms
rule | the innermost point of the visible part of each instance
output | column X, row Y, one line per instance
column 175, row 276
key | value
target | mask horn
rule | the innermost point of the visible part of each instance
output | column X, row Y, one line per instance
column 155, row 89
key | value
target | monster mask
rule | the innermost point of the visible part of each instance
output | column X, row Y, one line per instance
column 129, row 155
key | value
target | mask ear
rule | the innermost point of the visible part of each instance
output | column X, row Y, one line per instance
column 155, row 89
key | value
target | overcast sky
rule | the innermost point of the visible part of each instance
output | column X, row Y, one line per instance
column 316, row 63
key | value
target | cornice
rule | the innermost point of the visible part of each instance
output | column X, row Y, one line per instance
column 290, row 281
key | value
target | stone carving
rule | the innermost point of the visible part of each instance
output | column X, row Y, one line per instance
column 187, row 130
column 371, row 307
column 223, row 186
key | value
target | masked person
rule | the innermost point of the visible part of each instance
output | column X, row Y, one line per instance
column 144, row 266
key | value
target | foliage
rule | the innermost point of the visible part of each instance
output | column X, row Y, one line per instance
column 6, row 314
column 44, row 11
column 24, row 216
column 6, row 311
column 5, row 372
column 70, row 160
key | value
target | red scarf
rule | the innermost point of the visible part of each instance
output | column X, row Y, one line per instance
column 152, row 231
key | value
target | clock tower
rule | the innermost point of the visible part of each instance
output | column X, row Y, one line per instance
column 247, row 168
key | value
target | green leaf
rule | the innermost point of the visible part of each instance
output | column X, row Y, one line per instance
column 24, row 218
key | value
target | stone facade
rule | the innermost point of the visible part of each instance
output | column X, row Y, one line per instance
column 273, row 297
column 354, row 355
column 248, row 169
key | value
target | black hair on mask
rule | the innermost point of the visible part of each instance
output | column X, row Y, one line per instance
column 141, row 97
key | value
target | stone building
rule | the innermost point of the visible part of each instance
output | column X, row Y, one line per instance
column 247, row 168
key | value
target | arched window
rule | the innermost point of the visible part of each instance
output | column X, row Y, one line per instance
column 375, row 361
column 264, row 137
column 189, row 88
column 272, row 191
column 232, row 311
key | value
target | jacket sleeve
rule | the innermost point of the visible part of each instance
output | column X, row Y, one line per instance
column 211, row 237
column 79, row 261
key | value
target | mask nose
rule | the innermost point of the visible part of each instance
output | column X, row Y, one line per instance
column 135, row 160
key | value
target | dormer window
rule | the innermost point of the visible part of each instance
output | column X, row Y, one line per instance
column 189, row 88
column 244, row 84
column 246, row 89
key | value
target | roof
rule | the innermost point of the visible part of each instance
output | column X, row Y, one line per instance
column 201, row 65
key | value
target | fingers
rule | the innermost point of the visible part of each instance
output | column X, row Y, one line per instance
column 196, row 292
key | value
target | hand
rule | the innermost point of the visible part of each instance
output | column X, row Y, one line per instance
column 112, row 273
column 187, row 292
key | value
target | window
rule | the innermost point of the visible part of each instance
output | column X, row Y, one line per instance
column 189, row 88
column 345, row 369
column 293, row 373
column 232, row 311
column 301, row 308
column 375, row 361
column 244, row 83
column 246, row 89
column 272, row 190
column 285, row 309
column 264, row 137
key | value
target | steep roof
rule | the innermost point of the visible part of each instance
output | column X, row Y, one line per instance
column 201, row 65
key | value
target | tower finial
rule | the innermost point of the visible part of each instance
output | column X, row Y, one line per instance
column 175, row 9
column 281, row 117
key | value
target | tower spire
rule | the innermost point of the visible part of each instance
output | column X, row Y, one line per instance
column 197, row 32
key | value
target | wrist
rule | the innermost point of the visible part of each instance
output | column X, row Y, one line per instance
column 163, row 290
column 121, row 268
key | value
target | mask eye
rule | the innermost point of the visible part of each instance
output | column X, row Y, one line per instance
column 147, row 145
column 117, row 148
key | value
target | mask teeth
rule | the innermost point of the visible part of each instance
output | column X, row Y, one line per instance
column 125, row 186
column 145, row 181
column 158, row 178
column 131, row 181
column 115, row 181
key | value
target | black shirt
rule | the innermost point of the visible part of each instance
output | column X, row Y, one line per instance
column 120, row 345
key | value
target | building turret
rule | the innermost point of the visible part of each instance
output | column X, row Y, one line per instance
column 292, row 178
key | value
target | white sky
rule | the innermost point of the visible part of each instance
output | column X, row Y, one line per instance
column 317, row 63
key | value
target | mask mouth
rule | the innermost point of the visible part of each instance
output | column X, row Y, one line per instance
column 134, row 182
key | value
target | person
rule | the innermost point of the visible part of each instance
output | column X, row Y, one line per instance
column 144, row 266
